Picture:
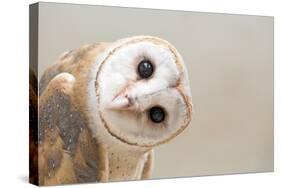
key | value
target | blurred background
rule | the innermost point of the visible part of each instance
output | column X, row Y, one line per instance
column 230, row 63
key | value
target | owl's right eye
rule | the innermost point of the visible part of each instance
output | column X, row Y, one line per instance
column 145, row 69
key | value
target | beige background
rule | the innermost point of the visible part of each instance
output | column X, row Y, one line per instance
column 230, row 62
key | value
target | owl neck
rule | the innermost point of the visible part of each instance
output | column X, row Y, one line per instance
column 125, row 163
column 117, row 145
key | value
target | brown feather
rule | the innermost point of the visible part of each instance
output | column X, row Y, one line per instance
column 68, row 153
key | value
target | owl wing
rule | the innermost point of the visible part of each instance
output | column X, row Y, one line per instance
column 33, row 128
column 67, row 151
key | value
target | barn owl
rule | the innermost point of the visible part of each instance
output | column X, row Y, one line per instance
column 104, row 107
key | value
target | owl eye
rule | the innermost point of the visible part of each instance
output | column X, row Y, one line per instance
column 157, row 114
column 145, row 69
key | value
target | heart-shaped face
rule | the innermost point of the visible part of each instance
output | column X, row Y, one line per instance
column 143, row 91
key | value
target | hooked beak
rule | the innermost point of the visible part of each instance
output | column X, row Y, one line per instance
column 119, row 102
column 124, row 101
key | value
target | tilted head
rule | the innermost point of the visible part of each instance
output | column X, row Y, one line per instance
column 143, row 91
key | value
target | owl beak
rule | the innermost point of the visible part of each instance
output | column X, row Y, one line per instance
column 120, row 102
column 123, row 101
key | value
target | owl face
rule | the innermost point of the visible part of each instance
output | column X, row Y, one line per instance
column 143, row 91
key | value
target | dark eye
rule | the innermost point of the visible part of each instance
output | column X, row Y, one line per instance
column 145, row 69
column 157, row 114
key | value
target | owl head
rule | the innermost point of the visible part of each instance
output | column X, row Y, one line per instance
column 143, row 92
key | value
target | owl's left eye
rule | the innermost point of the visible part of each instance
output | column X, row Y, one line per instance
column 145, row 69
